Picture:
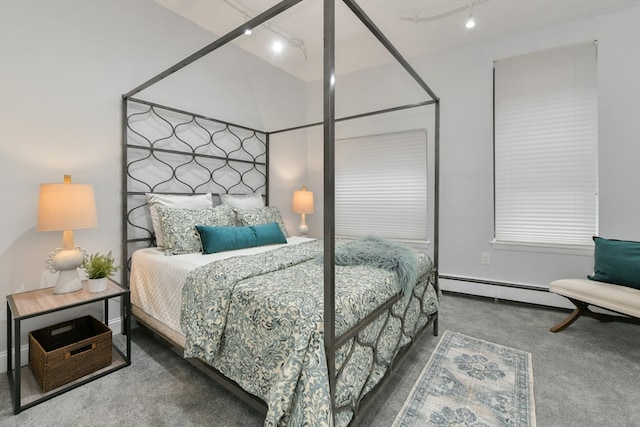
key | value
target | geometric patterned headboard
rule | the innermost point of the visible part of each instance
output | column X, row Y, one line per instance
column 169, row 151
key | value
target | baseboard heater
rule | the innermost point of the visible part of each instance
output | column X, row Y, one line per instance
column 494, row 283
column 528, row 294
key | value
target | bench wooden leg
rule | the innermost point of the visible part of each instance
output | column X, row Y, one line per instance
column 568, row 321
column 581, row 308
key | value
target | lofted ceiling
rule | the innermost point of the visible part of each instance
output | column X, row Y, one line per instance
column 414, row 27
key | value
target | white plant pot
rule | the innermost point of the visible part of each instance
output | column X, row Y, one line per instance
column 97, row 285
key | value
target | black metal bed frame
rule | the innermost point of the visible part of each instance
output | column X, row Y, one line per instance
column 171, row 151
column 331, row 343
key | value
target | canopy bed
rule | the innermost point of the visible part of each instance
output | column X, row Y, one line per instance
column 304, row 330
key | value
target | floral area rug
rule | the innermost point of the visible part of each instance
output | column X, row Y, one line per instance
column 471, row 382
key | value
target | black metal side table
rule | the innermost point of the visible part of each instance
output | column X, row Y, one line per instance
column 25, row 305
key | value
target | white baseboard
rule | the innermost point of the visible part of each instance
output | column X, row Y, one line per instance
column 114, row 324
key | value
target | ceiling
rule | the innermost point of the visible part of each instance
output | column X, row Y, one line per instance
column 414, row 27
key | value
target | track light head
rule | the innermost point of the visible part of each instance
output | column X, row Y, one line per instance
column 471, row 22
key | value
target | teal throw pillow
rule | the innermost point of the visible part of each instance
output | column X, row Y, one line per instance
column 268, row 234
column 224, row 238
column 617, row 262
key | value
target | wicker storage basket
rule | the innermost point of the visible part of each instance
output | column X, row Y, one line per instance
column 67, row 351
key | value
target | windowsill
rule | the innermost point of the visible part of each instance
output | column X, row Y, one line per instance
column 549, row 248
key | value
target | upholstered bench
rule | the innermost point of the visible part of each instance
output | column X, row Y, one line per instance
column 585, row 292
column 614, row 284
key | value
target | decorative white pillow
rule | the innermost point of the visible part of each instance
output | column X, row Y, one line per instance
column 259, row 216
column 198, row 201
column 179, row 226
column 243, row 201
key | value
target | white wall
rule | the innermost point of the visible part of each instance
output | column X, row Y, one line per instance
column 463, row 80
column 288, row 172
column 64, row 65
column 467, row 206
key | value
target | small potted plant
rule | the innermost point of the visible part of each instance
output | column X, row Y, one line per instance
column 97, row 268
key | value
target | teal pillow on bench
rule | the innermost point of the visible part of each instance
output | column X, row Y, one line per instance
column 617, row 261
column 226, row 238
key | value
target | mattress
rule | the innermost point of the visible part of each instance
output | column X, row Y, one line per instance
column 156, row 283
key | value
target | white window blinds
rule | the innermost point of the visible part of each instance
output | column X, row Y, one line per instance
column 546, row 128
column 381, row 186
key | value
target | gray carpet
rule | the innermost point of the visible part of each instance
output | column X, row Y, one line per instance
column 587, row 375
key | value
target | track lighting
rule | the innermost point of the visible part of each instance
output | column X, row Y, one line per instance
column 417, row 16
column 280, row 33
column 247, row 30
column 471, row 22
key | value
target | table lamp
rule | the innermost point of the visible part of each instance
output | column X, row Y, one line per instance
column 302, row 204
column 66, row 207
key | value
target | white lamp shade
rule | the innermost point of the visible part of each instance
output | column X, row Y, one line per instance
column 66, row 207
column 302, row 201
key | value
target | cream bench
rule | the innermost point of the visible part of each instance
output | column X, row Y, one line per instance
column 583, row 292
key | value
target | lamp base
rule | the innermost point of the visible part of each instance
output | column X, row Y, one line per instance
column 66, row 262
column 68, row 281
column 303, row 229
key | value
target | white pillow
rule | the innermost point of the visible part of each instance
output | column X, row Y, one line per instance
column 198, row 201
column 243, row 201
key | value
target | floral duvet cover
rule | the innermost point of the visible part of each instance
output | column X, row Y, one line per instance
column 259, row 320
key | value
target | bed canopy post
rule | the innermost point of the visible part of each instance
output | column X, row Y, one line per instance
column 436, row 195
column 124, row 245
column 329, row 197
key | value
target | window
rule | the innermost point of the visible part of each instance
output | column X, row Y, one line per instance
column 545, row 147
column 381, row 186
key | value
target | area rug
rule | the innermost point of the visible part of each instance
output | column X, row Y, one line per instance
column 471, row 382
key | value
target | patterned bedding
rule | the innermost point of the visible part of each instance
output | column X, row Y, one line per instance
column 259, row 321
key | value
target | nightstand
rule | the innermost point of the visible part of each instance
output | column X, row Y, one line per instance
column 26, row 305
